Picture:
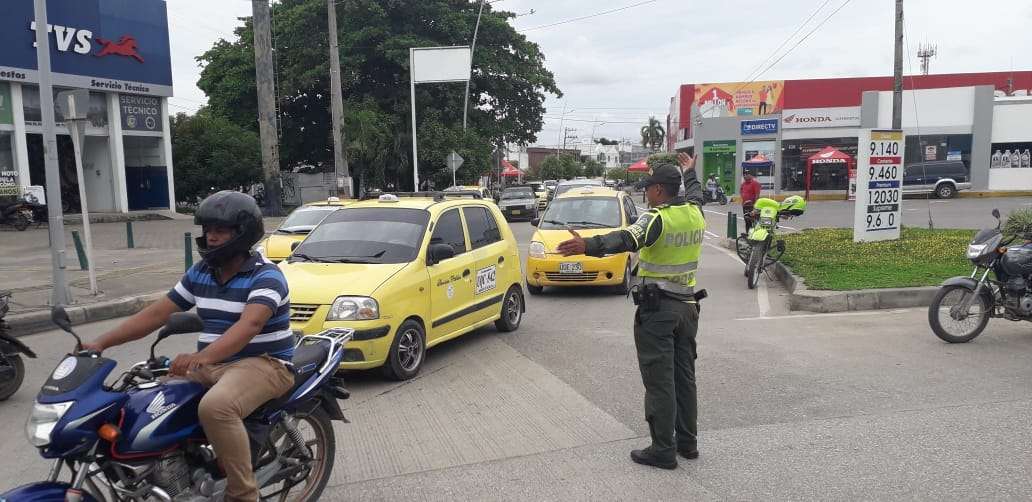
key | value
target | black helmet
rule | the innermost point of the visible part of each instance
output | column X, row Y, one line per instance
column 234, row 210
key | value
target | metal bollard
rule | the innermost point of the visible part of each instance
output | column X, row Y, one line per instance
column 84, row 264
column 188, row 249
column 129, row 234
column 732, row 226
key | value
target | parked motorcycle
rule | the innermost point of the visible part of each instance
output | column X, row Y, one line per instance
column 39, row 211
column 16, row 213
column 12, row 368
column 963, row 306
column 139, row 438
column 720, row 197
column 759, row 249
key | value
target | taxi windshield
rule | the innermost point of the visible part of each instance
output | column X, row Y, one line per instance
column 305, row 219
column 366, row 235
column 582, row 212
column 519, row 193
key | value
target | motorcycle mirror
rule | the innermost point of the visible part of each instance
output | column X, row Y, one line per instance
column 181, row 322
column 996, row 213
column 59, row 316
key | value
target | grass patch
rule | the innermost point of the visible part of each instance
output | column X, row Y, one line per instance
column 827, row 258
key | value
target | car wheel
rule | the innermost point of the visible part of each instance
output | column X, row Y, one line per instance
column 534, row 290
column 512, row 310
column 625, row 286
column 407, row 352
column 945, row 191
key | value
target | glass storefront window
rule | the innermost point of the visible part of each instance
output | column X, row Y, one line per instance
column 827, row 177
column 1011, row 155
column 938, row 147
column 97, row 115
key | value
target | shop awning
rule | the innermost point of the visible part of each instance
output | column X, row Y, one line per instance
column 510, row 170
column 642, row 166
column 829, row 155
column 760, row 160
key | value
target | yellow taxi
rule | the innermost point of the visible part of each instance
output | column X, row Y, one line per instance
column 276, row 247
column 541, row 193
column 591, row 211
column 483, row 191
column 406, row 272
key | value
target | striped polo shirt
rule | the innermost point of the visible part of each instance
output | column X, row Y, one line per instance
column 259, row 281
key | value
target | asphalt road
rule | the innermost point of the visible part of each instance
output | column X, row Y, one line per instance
column 866, row 405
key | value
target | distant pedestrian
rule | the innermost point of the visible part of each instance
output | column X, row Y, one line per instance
column 749, row 191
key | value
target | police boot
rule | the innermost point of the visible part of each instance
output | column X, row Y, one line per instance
column 648, row 457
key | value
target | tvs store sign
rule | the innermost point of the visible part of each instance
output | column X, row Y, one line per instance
column 805, row 118
column 104, row 45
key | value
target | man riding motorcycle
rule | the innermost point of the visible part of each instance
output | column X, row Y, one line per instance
column 245, row 349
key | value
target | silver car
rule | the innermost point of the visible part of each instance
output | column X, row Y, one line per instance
column 519, row 203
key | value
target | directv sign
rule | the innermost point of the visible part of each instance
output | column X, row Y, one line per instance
column 762, row 126
column 103, row 45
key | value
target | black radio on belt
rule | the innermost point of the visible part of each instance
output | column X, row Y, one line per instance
column 647, row 296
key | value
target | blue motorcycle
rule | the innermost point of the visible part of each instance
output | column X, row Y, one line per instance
column 138, row 439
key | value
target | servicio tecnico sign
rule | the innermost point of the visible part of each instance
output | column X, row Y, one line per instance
column 879, row 186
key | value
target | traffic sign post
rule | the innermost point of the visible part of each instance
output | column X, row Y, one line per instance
column 879, row 186
column 454, row 161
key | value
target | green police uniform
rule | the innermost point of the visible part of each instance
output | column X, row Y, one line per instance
column 669, row 241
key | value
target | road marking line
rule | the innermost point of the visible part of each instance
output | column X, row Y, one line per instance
column 711, row 234
column 762, row 298
column 830, row 314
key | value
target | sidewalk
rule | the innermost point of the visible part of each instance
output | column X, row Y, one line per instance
column 127, row 279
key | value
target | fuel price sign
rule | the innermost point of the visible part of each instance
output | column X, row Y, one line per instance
column 879, row 184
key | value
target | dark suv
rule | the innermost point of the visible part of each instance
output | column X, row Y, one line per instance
column 944, row 178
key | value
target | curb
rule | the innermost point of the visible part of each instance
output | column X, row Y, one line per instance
column 822, row 301
column 35, row 322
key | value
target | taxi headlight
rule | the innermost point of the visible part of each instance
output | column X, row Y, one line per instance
column 353, row 308
column 42, row 421
column 536, row 249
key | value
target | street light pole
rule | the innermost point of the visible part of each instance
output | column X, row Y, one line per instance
column 340, row 160
column 472, row 48
column 60, row 295
column 897, row 70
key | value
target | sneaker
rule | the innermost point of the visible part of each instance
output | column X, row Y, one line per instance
column 646, row 457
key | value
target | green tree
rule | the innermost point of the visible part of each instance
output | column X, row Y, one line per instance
column 507, row 90
column 662, row 158
column 592, row 169
column 212, row 153
column 606, row 141
column 653, row 135
column 565, row 166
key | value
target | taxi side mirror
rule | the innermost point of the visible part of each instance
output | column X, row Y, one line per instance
column 535, row 222
column 438, row 253
column 294, row 245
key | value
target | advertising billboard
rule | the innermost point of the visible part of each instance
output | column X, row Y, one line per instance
column 103, row 45
column 740, row 98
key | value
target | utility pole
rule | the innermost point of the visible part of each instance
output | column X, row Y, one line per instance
column 925, row 53
column 267, row 106
column 472, row 47
column 60, row 295
column 897, row 85
column 340, row 160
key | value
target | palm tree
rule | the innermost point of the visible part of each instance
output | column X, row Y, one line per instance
column 652, row 135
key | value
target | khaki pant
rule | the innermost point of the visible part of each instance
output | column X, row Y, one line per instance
column 236, row 390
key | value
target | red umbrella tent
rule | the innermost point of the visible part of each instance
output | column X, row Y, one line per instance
column 828, row 155
column 641, row 166
column 510, row 170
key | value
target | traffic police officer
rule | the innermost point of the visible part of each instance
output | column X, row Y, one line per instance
column 668, row 239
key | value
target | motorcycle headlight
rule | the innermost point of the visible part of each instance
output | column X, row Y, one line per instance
column 353, row 308
column 975, row 250
column 766, row 220
column 42, row 421
column 536, row 249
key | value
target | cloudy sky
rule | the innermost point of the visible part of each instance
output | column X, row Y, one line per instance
column 620, row 67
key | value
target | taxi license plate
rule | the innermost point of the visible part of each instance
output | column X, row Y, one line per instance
column 571, row 268
column 515, row 211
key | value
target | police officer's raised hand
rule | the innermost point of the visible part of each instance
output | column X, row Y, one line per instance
column 687, row 161
column 573, row 246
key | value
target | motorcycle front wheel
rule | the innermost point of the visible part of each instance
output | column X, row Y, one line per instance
column 755, row 267
column 9, row 387
column 947, row 320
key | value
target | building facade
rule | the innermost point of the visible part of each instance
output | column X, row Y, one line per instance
column 119, row 51
column 978, row 118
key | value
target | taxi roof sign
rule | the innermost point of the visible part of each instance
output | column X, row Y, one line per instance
column 388, row 197
column 333, row 199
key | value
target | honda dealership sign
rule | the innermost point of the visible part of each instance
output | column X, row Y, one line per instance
column 804, row 118
column 104, row 45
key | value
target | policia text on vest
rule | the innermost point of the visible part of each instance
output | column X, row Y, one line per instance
column 668, row 239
